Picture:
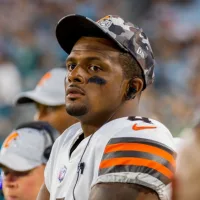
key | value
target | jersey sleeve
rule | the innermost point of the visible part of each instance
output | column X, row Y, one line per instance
column 140, row 153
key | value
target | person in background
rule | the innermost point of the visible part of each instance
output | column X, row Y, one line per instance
column 23, row 157
column 178, row 143
column 187, row 179
column 49, row 98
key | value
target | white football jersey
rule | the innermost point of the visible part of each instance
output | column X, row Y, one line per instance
column 126, row 150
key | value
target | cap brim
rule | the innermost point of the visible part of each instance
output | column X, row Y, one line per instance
column 24, row 97
column 72, row 27
column 17, row 163
column 33, row 96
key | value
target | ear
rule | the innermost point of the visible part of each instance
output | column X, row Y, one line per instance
column 134, row 87
column 138, row 84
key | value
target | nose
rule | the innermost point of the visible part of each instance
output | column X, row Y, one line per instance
column 76, row 75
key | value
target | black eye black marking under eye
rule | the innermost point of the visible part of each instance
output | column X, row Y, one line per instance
column 97, row 80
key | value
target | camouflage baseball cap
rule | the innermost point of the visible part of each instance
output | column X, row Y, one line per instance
column 127, row 36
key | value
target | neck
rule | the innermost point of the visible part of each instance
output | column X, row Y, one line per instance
column 126, row 109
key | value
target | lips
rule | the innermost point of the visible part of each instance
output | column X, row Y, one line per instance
column 74, row 92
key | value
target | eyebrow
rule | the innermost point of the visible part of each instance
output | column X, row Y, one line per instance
column 73, row 59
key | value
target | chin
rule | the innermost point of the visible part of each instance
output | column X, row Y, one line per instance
column 76, row 110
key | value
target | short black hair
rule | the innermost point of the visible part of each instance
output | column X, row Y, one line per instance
column 130, row 66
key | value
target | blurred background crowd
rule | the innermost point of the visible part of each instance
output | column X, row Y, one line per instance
column 28, row 48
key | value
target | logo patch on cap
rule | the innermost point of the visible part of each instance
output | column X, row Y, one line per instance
column 140, row 52
column 9, row 139
column 62, row 173
column 105, row 22
column 44, row 78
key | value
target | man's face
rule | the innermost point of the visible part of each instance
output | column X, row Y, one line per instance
column 22, row 185
column 96, row 85
column 54, row 115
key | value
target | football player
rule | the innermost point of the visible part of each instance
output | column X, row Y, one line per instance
column 112, row 153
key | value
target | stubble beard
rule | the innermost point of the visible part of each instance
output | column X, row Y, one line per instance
column 76, row 111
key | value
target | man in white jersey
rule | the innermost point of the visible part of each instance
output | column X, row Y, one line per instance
column 112, row 153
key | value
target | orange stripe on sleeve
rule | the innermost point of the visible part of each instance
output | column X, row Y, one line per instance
column 138, row 162
column 142, row 148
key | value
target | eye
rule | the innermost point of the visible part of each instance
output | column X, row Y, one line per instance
column 95, row 68
column 71, row 66
column 21, row 174
column 4, row 173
